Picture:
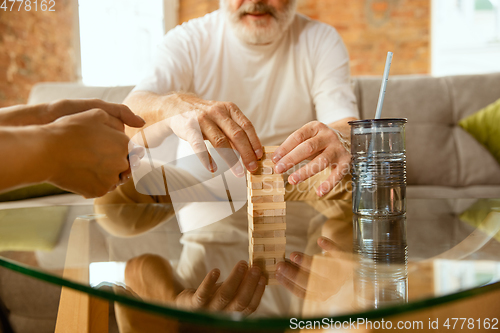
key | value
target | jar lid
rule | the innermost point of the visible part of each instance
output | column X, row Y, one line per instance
column 377, row 121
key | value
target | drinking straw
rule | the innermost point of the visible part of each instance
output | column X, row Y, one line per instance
column 378, row 114
column 388, row 62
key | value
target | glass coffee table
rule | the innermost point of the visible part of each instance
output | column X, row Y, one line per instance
column 344, row 269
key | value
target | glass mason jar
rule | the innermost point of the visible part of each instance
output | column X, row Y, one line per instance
column 378, row 166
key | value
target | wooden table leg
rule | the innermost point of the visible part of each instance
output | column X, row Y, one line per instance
column 78, row 311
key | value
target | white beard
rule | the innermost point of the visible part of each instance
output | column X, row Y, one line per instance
column 259, row 31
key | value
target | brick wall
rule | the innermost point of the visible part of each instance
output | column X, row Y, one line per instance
column 34, row 47
column 369, row 28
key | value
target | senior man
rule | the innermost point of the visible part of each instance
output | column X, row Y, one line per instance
column 254, row 72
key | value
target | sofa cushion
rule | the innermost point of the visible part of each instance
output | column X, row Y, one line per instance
column 444, row 192
column 484, row 126
column 48, row 92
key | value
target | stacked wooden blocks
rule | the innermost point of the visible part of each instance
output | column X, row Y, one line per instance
column 266, row 216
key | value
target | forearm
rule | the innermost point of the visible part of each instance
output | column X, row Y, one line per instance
column 23, row 115
column 22, row 151
column 152, row 107
column 343, row 127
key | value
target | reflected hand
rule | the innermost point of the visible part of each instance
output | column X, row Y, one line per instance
column 318, row 277
column 241, row 292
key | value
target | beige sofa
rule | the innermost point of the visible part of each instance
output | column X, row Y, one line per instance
column 443, row 162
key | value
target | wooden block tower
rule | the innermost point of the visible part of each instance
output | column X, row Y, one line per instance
column 266, row 216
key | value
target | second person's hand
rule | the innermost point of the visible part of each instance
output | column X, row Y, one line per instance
column 85, row 152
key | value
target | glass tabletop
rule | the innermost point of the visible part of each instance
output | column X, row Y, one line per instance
column 338, row 265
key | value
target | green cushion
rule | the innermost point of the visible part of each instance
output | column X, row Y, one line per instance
column 484, row 125
column 30, row 229
column 34, row 191
column 479, row 212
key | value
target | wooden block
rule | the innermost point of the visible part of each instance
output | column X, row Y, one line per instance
column 270, row 268
column 268, row 198
column 278, row 198
column 269, row 191
column 270, row 226
column 261, row 199
column 269, row 212
column 252, row 212
column 269, row 247
column 274, row 241
column 279, row 212
column 265, row 163
column 263, row 233
column 267, row 255
column 257, row 199
column 278, row 247
column 269, row 149
column 267, row 205
column 279, row 233
column 268, row 156
column 270, row 261
column 260, row 178
column 255, row 186
column 267, row 185
column 267, row 220
column 278, row 184
column 264, row 171
column 272, row 282
column 257, row 247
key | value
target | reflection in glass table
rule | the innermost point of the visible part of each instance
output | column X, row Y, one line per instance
column 338, row 266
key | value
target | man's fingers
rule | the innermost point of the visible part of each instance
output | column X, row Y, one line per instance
column 205, row 290
column 338, row 173
column 247, row 126
column 257, row 296
column 302, row 260
column 293, row 273
column 292, row 287
column 318, row 164
column 246, row 290
column 221, row 143
column 303, row 151
column 295, row 139
column 328, row 245
column 229, row 288
column 240, row 140
column 195, row 140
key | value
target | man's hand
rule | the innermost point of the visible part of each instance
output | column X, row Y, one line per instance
column 321, row 144
column 85, row 152
column 195, row 120
column 65, row 107
column 241, row 292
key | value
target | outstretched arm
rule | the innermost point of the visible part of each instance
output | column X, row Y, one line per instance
column 83, row 151
column 195, row 120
